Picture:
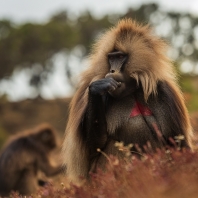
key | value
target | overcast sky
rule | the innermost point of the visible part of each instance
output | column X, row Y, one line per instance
column 40, row 10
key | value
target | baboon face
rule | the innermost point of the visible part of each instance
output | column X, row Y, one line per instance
column 117, row 70
column 47, row 138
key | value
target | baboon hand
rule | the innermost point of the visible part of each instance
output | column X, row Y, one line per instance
column 102, row 86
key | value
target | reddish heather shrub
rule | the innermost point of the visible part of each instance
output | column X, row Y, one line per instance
column 171, row 173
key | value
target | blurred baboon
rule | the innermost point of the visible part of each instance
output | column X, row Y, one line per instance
column 129, row 93
column 23, row 157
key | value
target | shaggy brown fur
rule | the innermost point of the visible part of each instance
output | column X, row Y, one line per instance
column 147, row 64
column 23, row 156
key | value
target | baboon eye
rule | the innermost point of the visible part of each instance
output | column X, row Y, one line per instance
column 117, row 56
column 111, row 58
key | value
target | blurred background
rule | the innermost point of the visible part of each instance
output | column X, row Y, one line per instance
column 44, row 45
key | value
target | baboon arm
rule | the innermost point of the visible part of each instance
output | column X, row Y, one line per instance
column 172, row 107
column 94, row 126
column 47, row 168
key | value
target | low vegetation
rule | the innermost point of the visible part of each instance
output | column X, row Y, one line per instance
column 171, row 173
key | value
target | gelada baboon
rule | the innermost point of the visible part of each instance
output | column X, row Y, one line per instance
column 23, row 157
column 128, row 93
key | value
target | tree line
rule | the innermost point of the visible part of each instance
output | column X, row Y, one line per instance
column 30, row 44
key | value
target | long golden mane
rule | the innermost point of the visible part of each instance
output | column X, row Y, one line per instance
column 147, row 63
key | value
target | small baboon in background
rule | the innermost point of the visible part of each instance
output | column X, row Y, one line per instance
column 24, row 157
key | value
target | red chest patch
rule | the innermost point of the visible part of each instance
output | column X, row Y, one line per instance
column 139, row 109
